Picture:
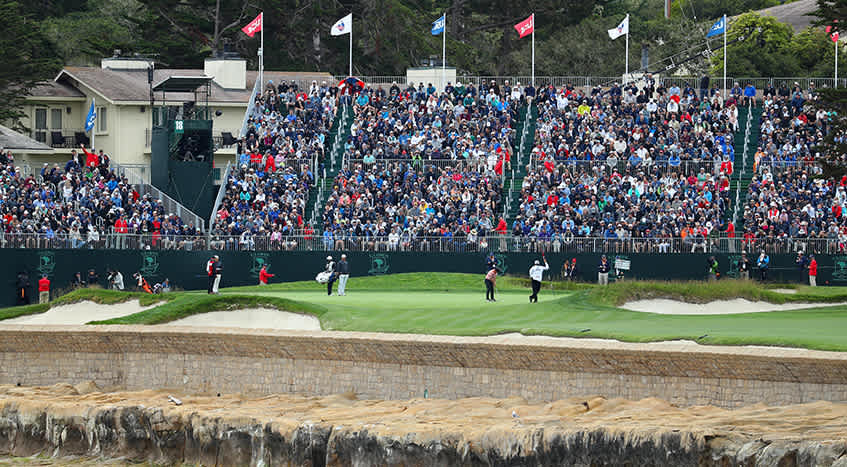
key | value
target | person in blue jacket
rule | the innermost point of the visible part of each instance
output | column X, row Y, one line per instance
column 763, row 263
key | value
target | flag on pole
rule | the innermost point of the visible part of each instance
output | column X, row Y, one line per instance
column 343, row 26
column 526, row 26
column 91, row 118
column 254, row 26
column 621, row 30
column 438, row 26
column 718, row 28
column 833, row 34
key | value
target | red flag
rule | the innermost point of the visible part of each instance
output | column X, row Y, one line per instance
column 254, row 26
column 834, row 36
column 526, row 26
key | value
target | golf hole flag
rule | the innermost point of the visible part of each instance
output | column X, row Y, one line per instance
column 438, row 26
column 718, row 28
column 343, row 26
column 621, row 30
column 254, row 26
column 526, row 26
column 91, row 118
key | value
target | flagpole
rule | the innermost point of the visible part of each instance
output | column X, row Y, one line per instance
column 626, row 71
column 444, row 54
column 350, row 68
column 262, row 55
column 724, row 55
column 93, row 128
column 533, row 50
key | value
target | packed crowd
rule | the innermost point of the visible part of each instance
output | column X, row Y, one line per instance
column 266, row 194
column 81, row 205
column 789, row 199
column 390, row 206
column 423, row 165
column 609, row 164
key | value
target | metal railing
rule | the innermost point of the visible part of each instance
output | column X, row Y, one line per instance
column 145, row 188
column 588, row 82
column 474, row 163
column 221, row 193
column 251, row 104
column 402, row 242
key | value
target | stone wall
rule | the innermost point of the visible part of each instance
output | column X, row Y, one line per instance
column 390, row 366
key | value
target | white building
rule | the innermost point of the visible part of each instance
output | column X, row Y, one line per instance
column 56, row 110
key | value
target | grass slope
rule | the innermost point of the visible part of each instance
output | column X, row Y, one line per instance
column 442, row 303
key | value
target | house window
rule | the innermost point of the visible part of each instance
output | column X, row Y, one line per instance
column 56, row 119
column 41, row 125
column 102, row 119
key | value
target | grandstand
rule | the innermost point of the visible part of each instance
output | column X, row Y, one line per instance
column 648, row 166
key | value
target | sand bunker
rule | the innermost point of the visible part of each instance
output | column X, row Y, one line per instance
column 664, row 306
column 785, row 291
column 79, row 313
column 260, row 318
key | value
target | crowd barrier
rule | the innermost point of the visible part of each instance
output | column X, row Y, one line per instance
column 402, row 242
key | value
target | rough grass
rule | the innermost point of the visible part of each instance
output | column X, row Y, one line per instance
column 186, row 305
column 100, row 296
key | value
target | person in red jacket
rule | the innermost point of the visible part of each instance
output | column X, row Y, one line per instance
column 43, row 289
column 91, row 159
column 813, row 271
column 264, row 275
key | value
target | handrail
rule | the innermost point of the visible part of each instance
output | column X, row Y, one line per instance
column 221, row 193
column 257, row 88
column 401, row 241
column 143, row 188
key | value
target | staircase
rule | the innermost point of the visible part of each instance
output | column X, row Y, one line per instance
column 744, row 169
column 525, row 141
column 332, row 165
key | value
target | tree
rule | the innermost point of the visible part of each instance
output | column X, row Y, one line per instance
column 833, row 13
column 27, row 57
column 764, row 52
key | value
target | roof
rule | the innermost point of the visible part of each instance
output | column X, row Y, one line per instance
column 182, row 83
column 55, row 89
column 794, row 14
column 132, row 85
column 11, row 139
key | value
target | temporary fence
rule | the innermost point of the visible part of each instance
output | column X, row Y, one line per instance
column 402, row 241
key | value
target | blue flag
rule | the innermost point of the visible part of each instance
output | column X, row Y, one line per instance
column 438, row 26
column 91, row 118
column 718, row 28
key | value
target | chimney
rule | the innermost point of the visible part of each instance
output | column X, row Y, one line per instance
column 228, row 73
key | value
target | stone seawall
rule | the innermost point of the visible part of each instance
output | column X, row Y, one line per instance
column 390, row 366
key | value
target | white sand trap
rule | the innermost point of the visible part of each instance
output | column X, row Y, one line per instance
column 259, row 318
column 79, row 313
column 785, row 291
column 664, row 306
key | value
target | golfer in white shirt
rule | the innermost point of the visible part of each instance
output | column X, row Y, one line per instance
column 536, row 273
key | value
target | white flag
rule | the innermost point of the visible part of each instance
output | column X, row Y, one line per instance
column 343, row 26
column 621, row 30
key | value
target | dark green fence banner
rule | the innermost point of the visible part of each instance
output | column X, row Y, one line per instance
column 186, row 269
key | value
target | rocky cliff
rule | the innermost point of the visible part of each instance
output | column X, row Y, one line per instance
column 295, row 430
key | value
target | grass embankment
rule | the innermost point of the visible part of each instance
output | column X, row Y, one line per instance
column 453, row 304
column 187, row 304
column 100, row 296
